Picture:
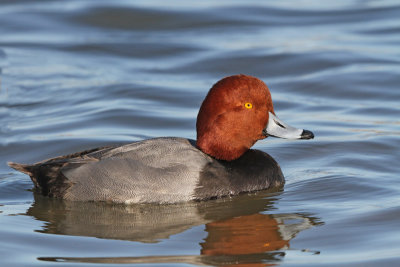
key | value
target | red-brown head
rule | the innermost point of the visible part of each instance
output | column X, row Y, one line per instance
column 237, row 112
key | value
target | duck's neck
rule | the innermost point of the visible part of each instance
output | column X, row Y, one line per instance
column 222, row 150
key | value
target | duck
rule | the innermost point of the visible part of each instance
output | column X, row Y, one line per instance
column 235, row 114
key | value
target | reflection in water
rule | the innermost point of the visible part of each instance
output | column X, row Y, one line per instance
column 238, row 230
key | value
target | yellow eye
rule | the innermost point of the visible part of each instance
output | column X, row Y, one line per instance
column 248, row 105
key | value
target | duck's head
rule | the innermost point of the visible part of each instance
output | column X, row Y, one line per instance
column 237, row 112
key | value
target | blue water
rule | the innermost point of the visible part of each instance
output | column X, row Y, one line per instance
column 80, row 74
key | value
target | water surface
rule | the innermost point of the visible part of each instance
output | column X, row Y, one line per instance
column 80, row 74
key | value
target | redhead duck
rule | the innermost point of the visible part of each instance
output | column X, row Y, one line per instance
column 236, row 112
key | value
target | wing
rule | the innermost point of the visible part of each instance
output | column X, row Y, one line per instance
column 162, row 170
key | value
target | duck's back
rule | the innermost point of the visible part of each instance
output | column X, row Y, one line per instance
column 155, row 170
column 162, row 170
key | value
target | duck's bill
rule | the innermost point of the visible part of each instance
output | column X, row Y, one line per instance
column 278, row 128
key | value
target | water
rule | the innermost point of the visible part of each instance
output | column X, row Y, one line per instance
column 81, row 74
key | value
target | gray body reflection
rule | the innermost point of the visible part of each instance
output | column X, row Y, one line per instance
column 239, row 229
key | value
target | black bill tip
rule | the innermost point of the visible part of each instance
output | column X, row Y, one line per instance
column 306, row 134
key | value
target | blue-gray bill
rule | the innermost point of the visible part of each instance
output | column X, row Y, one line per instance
column 278, row 128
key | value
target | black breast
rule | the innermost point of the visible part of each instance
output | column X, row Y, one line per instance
column 255, row 170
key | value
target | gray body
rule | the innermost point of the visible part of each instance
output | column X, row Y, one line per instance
column 160, row 170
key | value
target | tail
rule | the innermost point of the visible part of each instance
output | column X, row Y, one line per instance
column 25, row 168
column 47, row 178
